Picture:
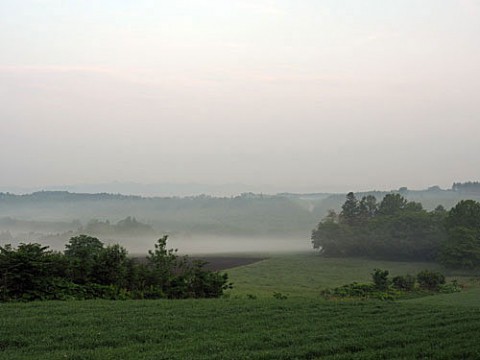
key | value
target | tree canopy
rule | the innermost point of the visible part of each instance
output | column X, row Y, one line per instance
column 87, row 269
column 462, row 246
column 392, row 229
column 403, row 230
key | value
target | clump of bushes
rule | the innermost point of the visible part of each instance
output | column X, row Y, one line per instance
column 88, row 270
column 429, row 282
column 404, row 282
column 380, row 279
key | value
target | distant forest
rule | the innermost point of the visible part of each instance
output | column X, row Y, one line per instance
column 52, row 217
column 469, row 187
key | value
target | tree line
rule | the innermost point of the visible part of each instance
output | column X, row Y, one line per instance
column 243, row 215
column 397, row 229
column 88, row 269
column 469, row 187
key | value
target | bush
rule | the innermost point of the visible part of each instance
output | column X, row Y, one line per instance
column 205, row 284
column 451, row 287
column 403, row 286
column 430, row 280
column 380, row 279
column 404, row 282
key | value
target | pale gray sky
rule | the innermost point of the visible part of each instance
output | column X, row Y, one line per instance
column 299, row 94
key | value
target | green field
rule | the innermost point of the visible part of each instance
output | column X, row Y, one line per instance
column 305, row 274
column 251, row 324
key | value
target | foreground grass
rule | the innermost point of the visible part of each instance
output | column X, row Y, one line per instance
column 237, row 329
column 303, row 326
column 468, row 297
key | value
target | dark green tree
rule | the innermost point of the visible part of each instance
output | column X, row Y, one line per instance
column 83, row 252
column 111, row 266
column 88, row 270
column 409, row 235
column 29, row 272
column 178, row 277
column 331, row 237
column 368, row 208
column 397, row 229
column 392, row 204
column 462, row 247
column 413, row 206
column 466, row 214
column 205, row 284
column 350, row 210
column 163, row 262
column 440, row 209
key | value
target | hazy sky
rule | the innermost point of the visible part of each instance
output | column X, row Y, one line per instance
column 301, row 94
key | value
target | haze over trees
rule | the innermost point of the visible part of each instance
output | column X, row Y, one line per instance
column 129, row 226
column 244, row 215
column 467, row 187
column 282, row 215
column 282, row 221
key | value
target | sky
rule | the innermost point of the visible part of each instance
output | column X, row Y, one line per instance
column 299, row 95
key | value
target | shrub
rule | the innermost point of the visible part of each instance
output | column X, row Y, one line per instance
column 451, row 287
column 404, row 282
column 380, row 279
column 403, row 286
column 430, row 280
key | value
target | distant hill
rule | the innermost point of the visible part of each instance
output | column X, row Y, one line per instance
column 247, row 214
column 285, row 215
column 150, row 190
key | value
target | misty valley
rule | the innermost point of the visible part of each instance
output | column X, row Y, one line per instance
column 309, row 262
column 239, row 179
column 199, row 224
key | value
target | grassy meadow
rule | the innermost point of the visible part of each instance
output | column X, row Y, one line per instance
column 250, row 323
column 305, row 274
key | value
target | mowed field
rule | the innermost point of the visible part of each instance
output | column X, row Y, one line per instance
column 250, row 323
